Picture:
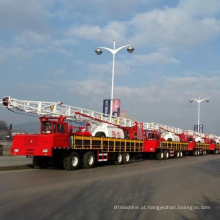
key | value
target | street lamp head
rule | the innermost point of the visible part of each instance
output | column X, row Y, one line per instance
column 190, row 100
column 98, row 51
column 130, row 49
column 207, row 100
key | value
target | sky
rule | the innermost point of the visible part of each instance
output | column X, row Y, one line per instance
column 47, row 53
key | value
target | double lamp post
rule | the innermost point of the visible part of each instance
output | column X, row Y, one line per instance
column 98, row 51
column 199, row 101
column 130, row 49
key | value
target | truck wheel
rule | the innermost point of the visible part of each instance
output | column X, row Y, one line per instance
column 88, row 160
column 72, row 161
column 160, row 155
column 177, row 154
column 1, row 150
column 119, row 159
column 40, row 162
column 58, row 164
column 194, row 153
column 100, row 134
column 181, row 154
column 166, row 154
column 126, row 158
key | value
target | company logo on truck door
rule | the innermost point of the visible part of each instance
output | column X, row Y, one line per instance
column 116, row 134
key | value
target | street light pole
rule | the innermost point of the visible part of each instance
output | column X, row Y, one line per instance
column 199, row 101
column 98, row 51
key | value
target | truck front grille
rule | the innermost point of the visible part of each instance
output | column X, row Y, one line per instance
column 29, row 152
column 31, row 141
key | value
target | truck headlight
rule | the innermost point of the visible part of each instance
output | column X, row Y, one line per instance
column 45, row 150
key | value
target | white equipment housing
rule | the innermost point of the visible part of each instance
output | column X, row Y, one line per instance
column 168, row 136
column 199, row 139
column 106, row 130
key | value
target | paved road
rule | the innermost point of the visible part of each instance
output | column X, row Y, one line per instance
column 15, row 162
column 115, row 192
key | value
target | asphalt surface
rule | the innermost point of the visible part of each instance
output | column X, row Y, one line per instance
column 186, row 188
column 15, row 163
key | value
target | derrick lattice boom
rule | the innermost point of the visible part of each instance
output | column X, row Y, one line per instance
column 72, row 113
column 156, row 126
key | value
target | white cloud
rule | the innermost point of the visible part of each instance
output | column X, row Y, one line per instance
column 99, row 68
column 88, row 88
column 24, row 14
column 43, row 43
column 31, row 38
column 172, row 29
column 85, row 31
column 167, row 103
column 62, row 41
column 98, row 10
column 60, row 72
column 122, row 68
column 200, row 7
column 172, row 88
column 194, row 83
column 2, row 55
column 34, row 86
column 156, row 58
column 19, row 68
column 114, row 30
column 168, row 29
column 31, row 27
column 14, row 52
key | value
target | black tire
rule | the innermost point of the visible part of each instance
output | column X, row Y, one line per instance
column 146, row 156
column 100, row 134
column 88, row 160
column 194, row 153
column 71, row 161
column 58, row 164
column 126, row 158
column 40, row 162
column 119, row 159
column 160, row 155
column 1, row 150
column 166, row 155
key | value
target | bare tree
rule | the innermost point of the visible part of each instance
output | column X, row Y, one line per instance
column 3, row 125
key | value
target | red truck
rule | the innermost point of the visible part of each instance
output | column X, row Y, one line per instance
column 58, row 145
column 107, row 138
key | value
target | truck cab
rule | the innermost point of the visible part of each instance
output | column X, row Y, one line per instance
column 53, row 125
column 54, row 134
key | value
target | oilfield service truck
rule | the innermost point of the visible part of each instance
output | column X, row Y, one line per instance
column 103, row 138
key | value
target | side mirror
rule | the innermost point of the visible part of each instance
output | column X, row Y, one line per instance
column 70, row 129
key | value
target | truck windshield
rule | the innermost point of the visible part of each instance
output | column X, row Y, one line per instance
column 46, row 127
